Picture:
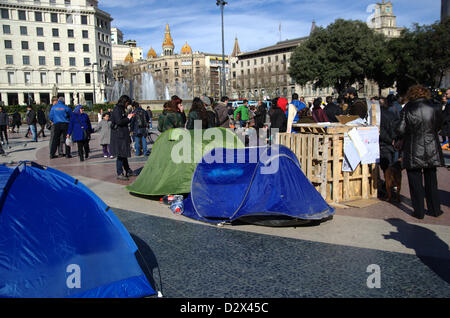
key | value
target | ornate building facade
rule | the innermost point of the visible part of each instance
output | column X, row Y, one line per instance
column 187, row 73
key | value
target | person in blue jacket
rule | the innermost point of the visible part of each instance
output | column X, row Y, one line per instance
column 80, row 129
column 60, row 117
column 298, row 104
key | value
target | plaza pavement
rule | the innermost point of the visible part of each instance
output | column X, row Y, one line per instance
column 193, row 259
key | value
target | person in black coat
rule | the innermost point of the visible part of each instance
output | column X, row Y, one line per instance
column 120, row 145
column 42, row 121
column 387, row 136
column 278, row 118
column 420, row 122
column 332, row 110
column 32, row 122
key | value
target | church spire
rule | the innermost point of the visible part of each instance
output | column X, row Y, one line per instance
column 168, row 46
column 236, row 49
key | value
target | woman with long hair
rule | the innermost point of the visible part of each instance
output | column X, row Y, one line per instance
column 318, row 114
column 419, row 125
column 197, row 112
column 120, row 146
column 172, row 116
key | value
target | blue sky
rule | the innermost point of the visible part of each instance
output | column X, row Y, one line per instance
column 254, row 22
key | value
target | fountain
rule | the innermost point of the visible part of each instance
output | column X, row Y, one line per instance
column 147, row 90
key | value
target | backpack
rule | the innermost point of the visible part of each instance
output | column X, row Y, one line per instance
column 141, row 119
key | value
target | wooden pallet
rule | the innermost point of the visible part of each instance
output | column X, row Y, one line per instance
column 320, row 151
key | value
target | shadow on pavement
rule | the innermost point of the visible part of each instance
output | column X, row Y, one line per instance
column 425, row 243
column 147, row 260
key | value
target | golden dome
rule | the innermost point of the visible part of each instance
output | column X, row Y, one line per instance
column 168, row 42
column 186, row 49
column 129, row 58
column 151, row 54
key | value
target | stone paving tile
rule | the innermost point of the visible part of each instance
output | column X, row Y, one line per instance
column 203, row 261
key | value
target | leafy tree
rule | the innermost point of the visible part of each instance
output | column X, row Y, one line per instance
column 345, row 53
column 421, row 55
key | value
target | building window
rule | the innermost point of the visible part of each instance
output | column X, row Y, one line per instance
column 41, row 60
column 54, row 17
column 25, row 45
column 9, row 59
column 38, row 16
column 69, row 19
column 85, row 47
column 71, row 47
column 26, row 60
column 23, row 30
column 27, row 77
column 72, row 61
column 10, row 77
column 87, row 61
column 56, row 47
column 58, row 78
column 6, row 29
column 43, row 78
column 55, row 33
column 57, row 61
column 22, row 14
column 84, row 19
column 87, row 78
column 85, row 34
column 41, row 46
column 70, row 33
column 8, row 44
column 40, row 31
column 5, row 14
column 73, row 78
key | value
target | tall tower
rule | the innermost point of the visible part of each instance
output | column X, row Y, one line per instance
column 236, row 49
column 445, row 9
column 384, row 21
column 168, row 46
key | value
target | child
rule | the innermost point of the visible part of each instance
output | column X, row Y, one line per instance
column 104, row 127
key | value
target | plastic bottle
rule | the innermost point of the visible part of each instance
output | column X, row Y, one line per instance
column 168, row 199
column 177, row 207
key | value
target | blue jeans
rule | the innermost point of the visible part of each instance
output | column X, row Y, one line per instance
column 33, row 132
column 137, row 145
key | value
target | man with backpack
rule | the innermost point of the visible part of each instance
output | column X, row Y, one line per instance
column 139, row 127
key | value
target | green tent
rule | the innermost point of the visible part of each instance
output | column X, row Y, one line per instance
column 175, row 156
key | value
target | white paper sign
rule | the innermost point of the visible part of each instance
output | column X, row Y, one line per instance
column 351, row 156
column 370, row 137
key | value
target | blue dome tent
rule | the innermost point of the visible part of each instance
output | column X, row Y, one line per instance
column 58, row 240
column 264, row 184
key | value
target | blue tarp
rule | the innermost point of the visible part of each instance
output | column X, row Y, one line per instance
column 267, row 181
column 58, row 239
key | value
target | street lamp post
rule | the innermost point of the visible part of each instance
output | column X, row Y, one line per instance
column 222, row 3
column 93, row 82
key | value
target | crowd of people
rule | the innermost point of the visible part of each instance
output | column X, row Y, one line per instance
column 411, row 128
